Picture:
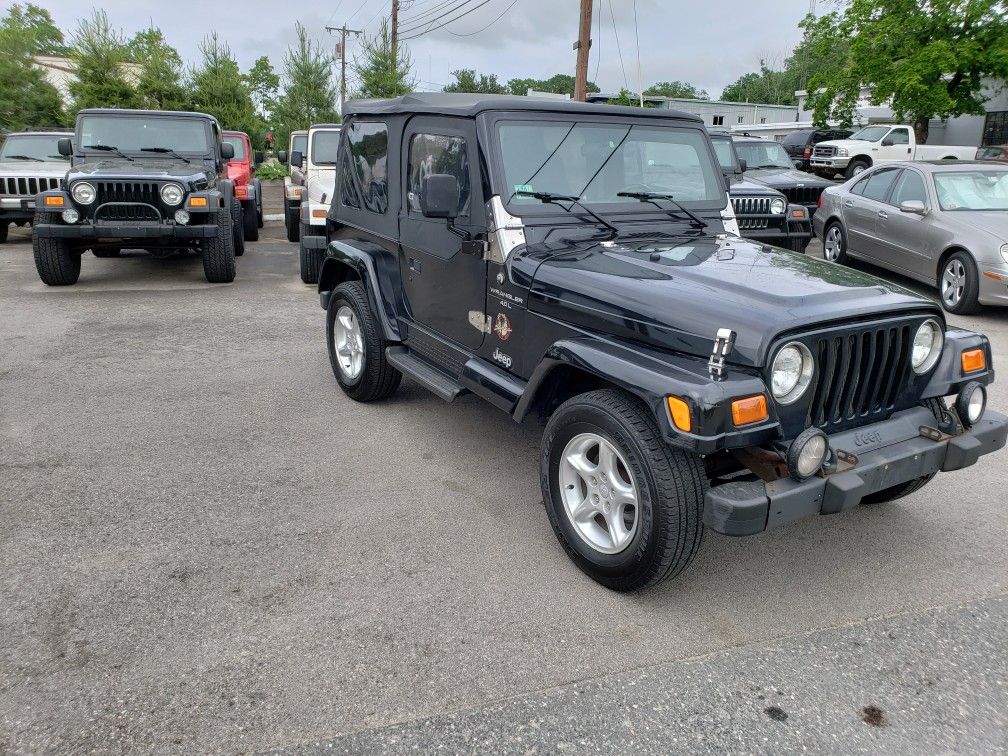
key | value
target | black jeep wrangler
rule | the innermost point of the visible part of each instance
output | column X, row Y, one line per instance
column 154, row 180
column 571, row 261
column 767, row 162
column 762, row 213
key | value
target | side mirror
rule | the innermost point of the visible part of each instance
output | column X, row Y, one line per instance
column 914, row 207
column 440, row 198
column 743, row 165
column 257, row 156
column 282, row 157
column 297, row 159
column 887, row 142
column 64, row 145
column 227, row 151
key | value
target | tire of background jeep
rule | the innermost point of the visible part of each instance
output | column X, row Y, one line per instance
column 236, row 227
column 57, row 264
column 219, row 252
column 106, row 252
column 310, row 259
column 292, row 221
column 937, row 406
column 799, row 245
column 855, row 167
column 259, row 210
column 377, row 378
column 670, row 487
column 250, row 221
column 3, row 232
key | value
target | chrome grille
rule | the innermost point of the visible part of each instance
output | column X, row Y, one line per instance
column 128, row 191
column 824, row 151
column 859, row 375
column 26, row 186
column 748, row 206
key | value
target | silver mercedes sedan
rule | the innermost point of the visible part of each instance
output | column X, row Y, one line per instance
column 944, row 223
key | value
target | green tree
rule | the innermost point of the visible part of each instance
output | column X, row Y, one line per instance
column 218, row 88
column 769, row 85
column 379, row 72
column 264, row 84
column 26, row 98
column 557, row 84
column 101, row 55
column 159, row 86
column 677, row 89
column 926, row 59
column 309, row 95
column 466, row 80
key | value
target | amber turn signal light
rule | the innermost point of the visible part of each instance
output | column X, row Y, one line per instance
column 319, row 213
column 752, row 409
column 798, row 213
column 56, row 201
column 680, row 413
column 973, row 360
column 197, row 202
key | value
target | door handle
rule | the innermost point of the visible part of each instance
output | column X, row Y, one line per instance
column 883, row 214
column 848, row 203
column 414, row 265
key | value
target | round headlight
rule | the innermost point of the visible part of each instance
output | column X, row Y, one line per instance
column 791, row 372
column 807, row 454
column 83, row 193
column 927, row 346
column 172, row 194
column 1004, row 252
column 70, row 215
column 778, row 206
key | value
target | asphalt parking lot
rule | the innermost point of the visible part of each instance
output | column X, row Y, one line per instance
column 206, row 547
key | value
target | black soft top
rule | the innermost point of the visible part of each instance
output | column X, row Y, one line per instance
column 470, row 105
column 130, row 111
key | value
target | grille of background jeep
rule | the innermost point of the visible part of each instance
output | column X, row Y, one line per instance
column 859, row 375
column 802, row 195
column 746, row 206
column 26, row 186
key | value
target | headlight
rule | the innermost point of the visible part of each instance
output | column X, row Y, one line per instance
column 70, row 215
column 172, row 194
column 806, row 455
column 791, row 372
column 83, row 193
column 971, row 403
column 778, row 206
column 842, row 152
column 1004, row 252
column 927, row 346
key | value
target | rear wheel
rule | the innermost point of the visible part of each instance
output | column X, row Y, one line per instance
column 959, row 284
column 219, row 253
column 57, row 263
column 625, row 505
column 835, row 243
column 292, row 219
column 250, row 220
column 356, row 346
column 237, row 227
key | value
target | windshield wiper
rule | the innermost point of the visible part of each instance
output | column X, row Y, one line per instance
column 697, row 221
column 108, row 148
column 165, row 151
column 22, row 157
column 557, row 199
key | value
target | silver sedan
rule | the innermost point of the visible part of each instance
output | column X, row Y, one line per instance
column 944, row 223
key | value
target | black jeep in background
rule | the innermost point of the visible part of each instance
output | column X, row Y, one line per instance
column 570, row 261
column 768, row 163
column 799, row 144
column 152, row 180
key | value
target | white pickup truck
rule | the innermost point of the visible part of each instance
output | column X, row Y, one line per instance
column 318, row 166
column 878, row 144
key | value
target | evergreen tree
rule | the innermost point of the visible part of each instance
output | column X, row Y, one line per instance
column 101, row 54
column 557, row 84
column 467, row 81
column 679, row 89
column 379, row 73
column 309, row 95
column 218, row 88
column 264, row 84
column 160, row 84
column 26, row 98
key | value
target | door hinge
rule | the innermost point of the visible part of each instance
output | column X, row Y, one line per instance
column 480, row 321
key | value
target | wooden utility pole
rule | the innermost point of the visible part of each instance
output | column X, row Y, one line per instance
column 343, row 32
column 395, row 33
column 582, row 46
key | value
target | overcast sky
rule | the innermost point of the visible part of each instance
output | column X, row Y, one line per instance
column 708, row 44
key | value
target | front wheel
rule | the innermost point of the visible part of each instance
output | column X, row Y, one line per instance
column 57, row 264
column 237, row 223
column 835, row 243
column 626, row 506
column 292, row 217
column 856, row 167
column 959, row 285
column 356, row 346
column 4, row 228
column 219, row 252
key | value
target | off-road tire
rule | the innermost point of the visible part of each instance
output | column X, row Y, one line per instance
column 969, row 304
column 671, row 485
column 799, row 245
column 292, row 218
column 852, row 168
column 236, row 227
column 56, row 262
column 250, row 220
column 219, row 253
column 310, row 259
column 937, row 406
column 4, row 228
column 377, row 379
column 259, row 210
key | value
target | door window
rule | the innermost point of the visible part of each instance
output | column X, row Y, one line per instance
column 434, row 153
column 909, row 186
column 898, row 136
column 877, row 185
column 325, row 146
column 364, row 167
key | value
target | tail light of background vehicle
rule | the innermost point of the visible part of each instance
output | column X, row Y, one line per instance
column 807, row 153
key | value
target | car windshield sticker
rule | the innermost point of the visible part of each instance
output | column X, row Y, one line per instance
column 523, row 188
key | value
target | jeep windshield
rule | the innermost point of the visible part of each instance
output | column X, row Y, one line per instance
column 596, row 161
column 239, row 145
column 134, row 134
column 869, row 134
column 323, row 147
column 33, row 147
column 763, row 154
column 725, row 154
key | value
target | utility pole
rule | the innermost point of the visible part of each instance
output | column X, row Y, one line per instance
column 343, row 32
column 395, row 33
column 582, row 46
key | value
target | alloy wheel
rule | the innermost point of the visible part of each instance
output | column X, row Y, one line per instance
column 953, row 283
column 831, row 246
column 348, row 342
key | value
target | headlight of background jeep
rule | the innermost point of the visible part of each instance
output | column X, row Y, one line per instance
column 791, row 372
column 172, row 194
column 1004, row 252
column 83, row 193
column 778, row 206
column 927, row 346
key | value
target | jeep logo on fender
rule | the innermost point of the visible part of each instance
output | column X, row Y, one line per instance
column 867, row 438
column 502, row 358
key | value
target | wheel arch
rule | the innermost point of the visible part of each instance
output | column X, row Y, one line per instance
column 950, row 250
column 347, row 262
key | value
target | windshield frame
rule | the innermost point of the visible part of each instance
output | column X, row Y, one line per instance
column 488, row 124
column 19, row 137
column 751, row 166
column 935, row 175
column 211, row 147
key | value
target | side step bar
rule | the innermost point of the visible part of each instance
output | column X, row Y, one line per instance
column 434, row 380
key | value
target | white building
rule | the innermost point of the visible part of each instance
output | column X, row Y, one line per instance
column 717, row 113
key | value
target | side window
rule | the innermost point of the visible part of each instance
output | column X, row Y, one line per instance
column 899, row 136
column 859, row 187
column 877, row 184
column 909, row 186
column 430, row 154
column 364, row 167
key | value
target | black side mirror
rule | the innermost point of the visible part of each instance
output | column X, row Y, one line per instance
column 227, row 150
column 440, row 198
column 257, row 156
column 297, row 159
column 742, row 165
column 64, row 145
column 282, row 157
column 888, row 142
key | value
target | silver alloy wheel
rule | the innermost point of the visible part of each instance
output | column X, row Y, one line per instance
column 348, row 343
column 953, row 282
column 858, row 168
column 599, row 493
column 832, row 243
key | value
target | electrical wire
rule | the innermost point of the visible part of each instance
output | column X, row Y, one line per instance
column 640, row 83
column 456, row 18
column 619, row 50
column 430, row 23
column 441, row 4
column 359, row 9
column 598, row 54
column 414, row 26
column 470, row 34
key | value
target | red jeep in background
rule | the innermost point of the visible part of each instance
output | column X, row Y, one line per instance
column 241, row 170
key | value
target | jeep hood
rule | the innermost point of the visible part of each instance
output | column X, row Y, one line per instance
column 786, row 178
column 741, row 186
column 141, row 169
column 676, row 293
column 47, row 168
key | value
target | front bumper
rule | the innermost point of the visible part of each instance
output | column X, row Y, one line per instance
column 832, row 163
column 95, row 231
column 993, row 291
column 17, row 208
column 887, row 454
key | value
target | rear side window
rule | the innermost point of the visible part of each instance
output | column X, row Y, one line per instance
column 300, row 144
column 798, row 137
column 430, row 154
column 324, row 146
column 877, row 185
column 364, row 167
column 909, row 186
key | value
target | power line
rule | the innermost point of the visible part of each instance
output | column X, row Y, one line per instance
column 598, row 53
column 416, row 23
column 359, row 9
column 640, row 82
column 429, row 25
column 441, row 4
column 469, row 34
column 619, row 50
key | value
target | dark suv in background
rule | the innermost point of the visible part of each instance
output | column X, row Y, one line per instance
column 799, row 144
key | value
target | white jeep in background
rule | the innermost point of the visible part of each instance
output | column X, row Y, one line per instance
column 881, row 143
column 318, row 165
column 29, row 163
column 293, row 183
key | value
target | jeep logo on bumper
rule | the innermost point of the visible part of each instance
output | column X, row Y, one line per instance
column 867, row 438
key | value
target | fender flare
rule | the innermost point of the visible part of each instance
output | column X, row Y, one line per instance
column 370, row 264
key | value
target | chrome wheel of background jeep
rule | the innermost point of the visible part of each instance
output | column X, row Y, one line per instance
column 599, row 493
column 832, row 244
column 953, row 282
column 348, row 342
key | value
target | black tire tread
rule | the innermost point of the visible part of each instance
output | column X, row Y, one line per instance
column 842, row 255
column 379, row 378
column 291, row 220
column 250, row 221
column 310, row 259
column 937, row 407
column 218, row 252
column 969, row 304
column 57, row 264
